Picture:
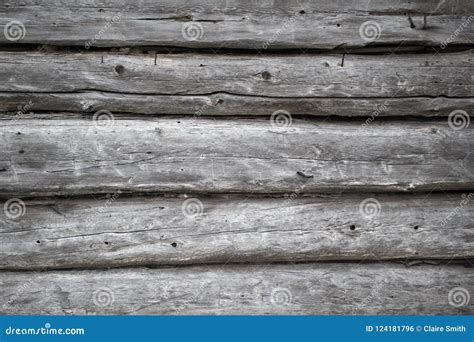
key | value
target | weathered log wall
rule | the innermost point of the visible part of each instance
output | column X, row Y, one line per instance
column 236, row 157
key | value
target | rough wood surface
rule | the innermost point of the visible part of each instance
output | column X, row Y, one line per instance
column 54, row 157
column 237, row 24
column 223, row 104
column 117, row 232
column 310, row 289
column 426, row 75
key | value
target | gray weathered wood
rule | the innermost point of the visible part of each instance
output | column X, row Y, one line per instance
column 53, row 157
column 237, row 24
column 425, row 75
column 140, row 231
column 225, row 104
column 310, row 289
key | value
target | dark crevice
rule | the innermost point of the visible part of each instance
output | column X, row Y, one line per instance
column 373, row 48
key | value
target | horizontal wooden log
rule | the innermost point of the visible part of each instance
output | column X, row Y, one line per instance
column 425, row 75
column 62, row 157
column 309, row 289
column 223, row 104
column 117, row 232
column 237, row 24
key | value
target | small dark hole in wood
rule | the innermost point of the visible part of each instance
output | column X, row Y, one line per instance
column 405, row 13
column 119, row 69
column 415, row 227
column 21, row 151
column 174, row 244
column 106, row 242
column 101, row 10
column 38, row 241
column 302, row 12
column 266, row 75
column 220, row 101
column 338, row 25
column 352, row 227
column 181, row 169
column 201, row 65
column 19, row 133
column 178, row 121
column 148, row 152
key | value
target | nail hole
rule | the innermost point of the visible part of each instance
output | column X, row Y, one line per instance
column 415, row 227
column 338, row 25
column 302, row 12
column 174, row 244
column 266, row 75
column 21, row 151
column 178, row 121
column 38, row 241
column 19, row 133
column 106, row 242
column 352, row 227
column 119, row 69
column 220, row 101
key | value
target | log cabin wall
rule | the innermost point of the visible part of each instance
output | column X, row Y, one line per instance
column 236, row 157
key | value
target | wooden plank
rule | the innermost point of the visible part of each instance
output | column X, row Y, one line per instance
column 117, row 232
column 223, row 104
column 237, row 24
column 309, row 289
column 63, row 157
column 427, row 75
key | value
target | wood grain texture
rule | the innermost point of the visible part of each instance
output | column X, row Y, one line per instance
column 425, row 75
column 237, row 24
column 117, row 232
column 64, row 157
column 223, row 104
column 310, row 289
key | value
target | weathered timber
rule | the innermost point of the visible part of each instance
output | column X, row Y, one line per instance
column 427, row 75
column 238, row 24
column 77, row 156
column 143, row 231
column 314, row 289
column 223, row 104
